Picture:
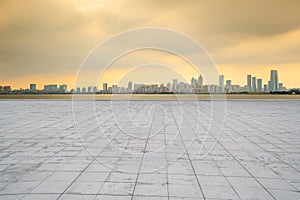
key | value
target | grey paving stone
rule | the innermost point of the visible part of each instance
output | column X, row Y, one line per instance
column 86, row 187
column 51, row 187
column 40, row 196
column 150, row 150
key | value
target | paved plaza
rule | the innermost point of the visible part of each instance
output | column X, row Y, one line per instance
column 150, row 150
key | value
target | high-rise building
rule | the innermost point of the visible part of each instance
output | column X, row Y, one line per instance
column 273, row 81
column 78, row 90
column 63, row 88
column 200, row 80
column 114, row 88
column 280, row 86
column 129, row 86
column 193, row 81
column 90, row 89
column 83, row 90
column 6, row 89
column 175, row 85
column 249, row 85
column 95, row 89
column 276, row 80
column 50, row 88
column 221, row 80
column 105, row 87
column 259, row 85
column 1, row 89
column 253, row 84
column 32, row 87
column 228, row 86
column 228, row 83
column 265, row 88
column 169, row 86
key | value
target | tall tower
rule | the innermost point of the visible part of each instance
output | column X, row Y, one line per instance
column 104, row 86
column 228, row 83
column 175, row 85
column 221, row 80
column 249, row 85
column 276, row 80
column 259, row 85
column 221, row 83
column 193, row 81
column 273, row 81
column 200, row 80
column 32, row 87
column 253, row 84
column 130, row 86
column 265, row 87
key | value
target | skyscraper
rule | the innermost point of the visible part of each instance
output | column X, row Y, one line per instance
column 280, row 86
column 50, row 88
column 276, row 80
column 253, row 84
column 90, row 89
column 129, row 86
column 63, row 88
column 259, row 85
column 273, row 81
column 221, row 80
column 6, row 89
column 265, row 87
column 32, row 87
column 228, row 83
column 221, row 83
column 249, row 85
column 200, row 80
column 105, row 87
column 95, row 89
column 175, row 85
column 193, row 81
column 114, row 89
column 169, row 86
column 228, row 86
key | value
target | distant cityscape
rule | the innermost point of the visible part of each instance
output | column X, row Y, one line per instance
column 196, row 86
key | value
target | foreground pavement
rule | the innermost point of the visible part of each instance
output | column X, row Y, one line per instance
column 150, row 150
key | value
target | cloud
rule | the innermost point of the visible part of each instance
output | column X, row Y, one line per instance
column 274, row 50
column 53, row 37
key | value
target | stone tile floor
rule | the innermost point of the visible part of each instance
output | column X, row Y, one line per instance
column 149, row 150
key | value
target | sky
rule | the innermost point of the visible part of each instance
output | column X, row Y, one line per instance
column 46, row 42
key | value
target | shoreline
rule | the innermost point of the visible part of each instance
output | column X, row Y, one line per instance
column 107, row 97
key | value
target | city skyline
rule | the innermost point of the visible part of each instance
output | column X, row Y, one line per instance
column 196, row 85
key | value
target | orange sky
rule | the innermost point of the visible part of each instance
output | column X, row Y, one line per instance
column 46, row 41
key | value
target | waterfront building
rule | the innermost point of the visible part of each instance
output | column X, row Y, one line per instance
column 259, row 85
column 249, row 85
column 253, row 84
column 105, row 87
column 32, row 87
column 50, row 88
column 273, row 81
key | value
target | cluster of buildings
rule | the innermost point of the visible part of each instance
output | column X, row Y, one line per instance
column 52, row 88
column 5, row 89
column 254, row 85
